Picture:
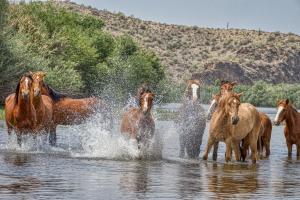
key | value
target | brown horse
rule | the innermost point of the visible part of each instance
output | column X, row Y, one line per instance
column 232, row 122
column 139, row 122
column 265, row 133
column 286, row 112
column 69, row 111
column 42, row 104
column 191, row 121
column 20, row 114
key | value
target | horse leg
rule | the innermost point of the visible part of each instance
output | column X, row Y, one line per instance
column 236, row 149
column 289, row 146
column 52, row 136
column 182, row 142
column 19, row 139
column 210, row 143
column 253, row 146
column 228, row 143
column 298, row 150
column 215, row 152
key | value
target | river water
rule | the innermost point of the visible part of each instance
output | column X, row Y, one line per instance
column 90, row 163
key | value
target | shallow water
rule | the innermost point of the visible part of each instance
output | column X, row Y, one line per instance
column 90, row 163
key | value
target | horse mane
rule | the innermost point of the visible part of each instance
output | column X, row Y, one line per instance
column 54, row 95
column 28, row 75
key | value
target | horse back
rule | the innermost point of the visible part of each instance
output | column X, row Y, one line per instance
column 68, row 111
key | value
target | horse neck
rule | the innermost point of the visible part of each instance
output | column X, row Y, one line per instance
column 23, row 106
column 38, row 102
column 291, row 117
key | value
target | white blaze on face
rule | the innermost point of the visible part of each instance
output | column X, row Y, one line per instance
column 26, row 83
column 194, row 91
column 145, row 107
column 280, row 108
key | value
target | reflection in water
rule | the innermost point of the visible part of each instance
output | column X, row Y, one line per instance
column 189, row 181
column 136, row 180
column 17, row 159
column 19, row 185
column 228, row 181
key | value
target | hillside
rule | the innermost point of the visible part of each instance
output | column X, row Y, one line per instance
column 243, row 55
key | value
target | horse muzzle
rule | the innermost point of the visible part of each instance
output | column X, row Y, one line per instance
column 37, row 92
column 235, row 120
column 25, row 95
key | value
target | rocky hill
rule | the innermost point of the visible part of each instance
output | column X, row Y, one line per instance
column 243, row 55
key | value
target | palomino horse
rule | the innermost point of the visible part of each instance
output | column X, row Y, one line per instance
column 225, row 87
column 20, row 114
column 286, row 112
column 69, row 111
column 191, row 121
column 139, row 122
column 232, row 122
column 43, row 106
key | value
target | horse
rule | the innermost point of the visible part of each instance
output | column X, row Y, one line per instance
column 225, row 87
column 288, row 113
column 20, row 114
column 231, row 122
column 70, row 111
column 43, row 105
column 138, row 123
column 191, row 121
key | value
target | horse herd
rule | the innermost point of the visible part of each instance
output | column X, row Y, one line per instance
column 35, row 108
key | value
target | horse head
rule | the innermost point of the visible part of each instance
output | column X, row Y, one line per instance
column 24, row 88
column 146, row 101
column 227, row 86
column 282, row 107
column 38, row 82
column 193, row 90
column 229, row 104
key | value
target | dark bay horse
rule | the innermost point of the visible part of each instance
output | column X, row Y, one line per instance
column 191, row 121
column 231, row 122
column 286, row 112
column 70, row 111
column 20, row 114
column 138, row 123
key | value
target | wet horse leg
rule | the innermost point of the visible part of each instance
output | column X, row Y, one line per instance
column 289, row 146
column 228, row 143
column 52, row 136
column 236, row 149
column 215, row 153
column 298, row 150
column 182, row 142
column 210, row 143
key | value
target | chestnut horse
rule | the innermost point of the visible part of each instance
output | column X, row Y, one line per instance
column 191, row 121
column 43, row 105
column 232, row 122
column 20, row 114
column 286, row 112
column 69, row 111
column 139, row 122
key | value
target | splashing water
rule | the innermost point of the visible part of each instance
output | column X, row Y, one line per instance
column 91, row 140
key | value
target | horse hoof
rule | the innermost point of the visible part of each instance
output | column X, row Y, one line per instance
column 228, row 159
column 253, row 162
column 204, row 157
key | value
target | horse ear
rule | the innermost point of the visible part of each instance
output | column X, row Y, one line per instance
column 234, row 83
column 240, row 94
column 43, row 74
column 287, row 101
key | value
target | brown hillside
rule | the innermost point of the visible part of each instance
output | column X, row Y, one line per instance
column 244, row 55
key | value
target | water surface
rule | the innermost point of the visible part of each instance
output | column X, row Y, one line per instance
column 90, row 163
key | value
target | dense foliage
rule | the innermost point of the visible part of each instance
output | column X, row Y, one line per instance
column 78, row 55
